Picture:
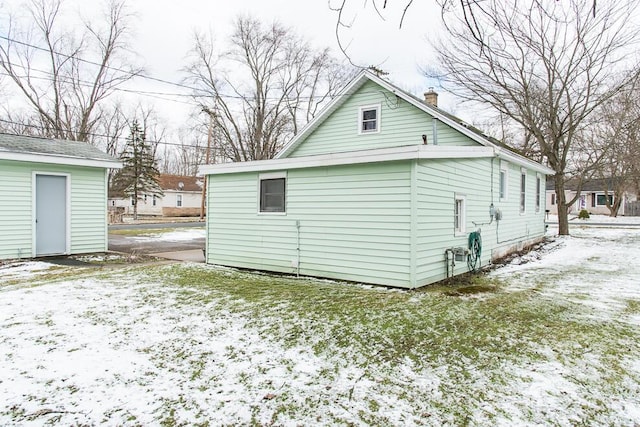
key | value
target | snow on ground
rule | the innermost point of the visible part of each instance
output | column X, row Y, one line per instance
column 598, row 219
column 14, row 271
column 595, row 266
column 102, row 350
column 172, row 236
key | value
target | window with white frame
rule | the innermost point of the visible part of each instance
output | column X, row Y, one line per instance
column 601, row 199
column 538, row 192
column 504, row 176
column 553, row 198
column 155, row 200
column 523, row 190
column 369, row 119
column 179, row 200
column 272, row 192
column 459, row 219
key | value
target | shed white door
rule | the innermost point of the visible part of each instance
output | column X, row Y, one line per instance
column 51, row 215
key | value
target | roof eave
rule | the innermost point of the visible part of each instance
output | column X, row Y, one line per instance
column 336, row 102
column 59, row 160
column 350, row 157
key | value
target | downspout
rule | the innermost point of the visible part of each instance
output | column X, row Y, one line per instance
column 298, row 248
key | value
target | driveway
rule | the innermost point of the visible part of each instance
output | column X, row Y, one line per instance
column 184, row 245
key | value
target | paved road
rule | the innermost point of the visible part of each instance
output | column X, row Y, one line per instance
column 599, row 224
column 129, row 244
column 156, row 225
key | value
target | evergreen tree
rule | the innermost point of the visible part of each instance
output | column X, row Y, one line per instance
column 139, row 174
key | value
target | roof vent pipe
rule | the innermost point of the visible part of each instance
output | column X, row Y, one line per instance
column 431, row 97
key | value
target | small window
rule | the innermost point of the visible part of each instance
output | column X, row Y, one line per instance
column 179, row 200
column 523, row 191
column 369, row 119
column 503, row 181
column 155, row 200
column 553, row 198
column 538, row 192
column 459, row 215
column 272, row 193
column 133, row 201
column 601, row 199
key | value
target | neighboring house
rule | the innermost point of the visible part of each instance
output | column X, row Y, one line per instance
column 592, row 197
column 182, row 197
column 53, row 197
column 381, row 188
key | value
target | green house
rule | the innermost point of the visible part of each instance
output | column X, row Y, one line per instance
column 381, row 187
column 53, row 197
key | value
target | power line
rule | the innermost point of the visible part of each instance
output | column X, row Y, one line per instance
column 143, row 76
column 120, row 138
column 86, row 61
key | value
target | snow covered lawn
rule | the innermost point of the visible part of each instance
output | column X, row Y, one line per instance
column 554, row 340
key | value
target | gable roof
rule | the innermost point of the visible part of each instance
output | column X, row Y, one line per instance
column 470, row 131
column 593, row 185
column 53, row 151
column 172, row 183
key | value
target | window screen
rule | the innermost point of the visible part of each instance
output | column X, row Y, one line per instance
column 272, row 195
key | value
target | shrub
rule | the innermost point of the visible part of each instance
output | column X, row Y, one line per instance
column 584, row 214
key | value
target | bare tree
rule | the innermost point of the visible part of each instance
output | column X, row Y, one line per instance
column 188, row 154
column 547, row 66
column 615, row 137
column 276, row 82
column 471, row 12
column 64, row 78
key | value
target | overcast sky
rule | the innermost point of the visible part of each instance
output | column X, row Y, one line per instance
column 164, row 34
column 166, row 29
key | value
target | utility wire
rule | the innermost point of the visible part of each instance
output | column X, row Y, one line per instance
column 197, row 91
column 120, row 138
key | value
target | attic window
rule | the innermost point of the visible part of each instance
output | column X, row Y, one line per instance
column 369, row 119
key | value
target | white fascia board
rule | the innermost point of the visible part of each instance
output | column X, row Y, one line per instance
column 523, row 161
column 336, row 102
column 59, row 160
column 513, row 157
column 349, row 158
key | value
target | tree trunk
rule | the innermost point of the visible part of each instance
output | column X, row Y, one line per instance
column 563, row 208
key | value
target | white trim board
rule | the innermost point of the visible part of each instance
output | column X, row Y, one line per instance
column 351, row 157
column 59, row 160
column 365, row 76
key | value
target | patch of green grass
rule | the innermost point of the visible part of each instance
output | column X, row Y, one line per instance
column 469, row 331
column 633, row 307
column 380, row 329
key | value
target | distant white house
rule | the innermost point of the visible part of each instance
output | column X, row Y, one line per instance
column 182, row 197
column 592, row 197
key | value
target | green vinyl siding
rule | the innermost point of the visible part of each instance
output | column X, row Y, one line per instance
column 354, row 223
column 87, row 207
column 88, row 210
column 446, row 135
column 400, row 124
column 385, row 223
column 439, row 181
column 15, row 210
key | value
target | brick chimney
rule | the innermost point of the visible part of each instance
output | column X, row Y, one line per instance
column 431, row 97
